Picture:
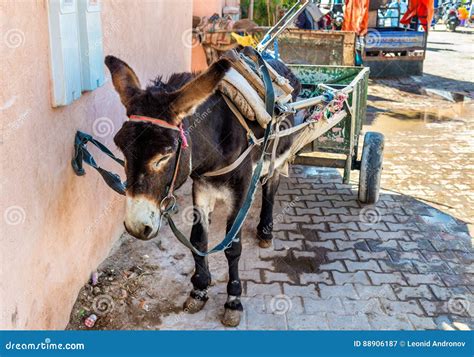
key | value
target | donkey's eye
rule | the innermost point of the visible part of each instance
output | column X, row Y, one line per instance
column 161, row 160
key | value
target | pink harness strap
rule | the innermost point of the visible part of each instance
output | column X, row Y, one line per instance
column 164, row 124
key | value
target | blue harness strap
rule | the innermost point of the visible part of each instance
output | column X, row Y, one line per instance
column 81, row 154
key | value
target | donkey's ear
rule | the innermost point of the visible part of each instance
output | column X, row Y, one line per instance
column 189, row 97
column 125, row 81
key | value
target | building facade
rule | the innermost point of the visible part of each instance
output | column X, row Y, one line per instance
column 57, row 227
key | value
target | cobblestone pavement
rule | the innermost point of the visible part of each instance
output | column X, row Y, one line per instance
column 338, row 265
column 405, row 263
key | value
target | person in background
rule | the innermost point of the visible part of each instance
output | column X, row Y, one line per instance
column 463, row 15
column 396, row 9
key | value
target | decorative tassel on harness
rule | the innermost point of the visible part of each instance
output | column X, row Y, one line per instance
column 184, row 139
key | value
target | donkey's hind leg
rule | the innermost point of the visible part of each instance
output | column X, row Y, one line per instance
column 201, row 278
column 265, row 227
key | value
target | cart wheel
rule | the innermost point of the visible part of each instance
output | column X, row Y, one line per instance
column 371, row 167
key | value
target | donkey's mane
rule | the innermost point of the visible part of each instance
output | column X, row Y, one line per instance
column 174, row 82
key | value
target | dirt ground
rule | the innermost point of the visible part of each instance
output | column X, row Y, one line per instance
column 428, row 124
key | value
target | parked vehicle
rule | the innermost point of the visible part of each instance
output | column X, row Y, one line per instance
column 451, row 19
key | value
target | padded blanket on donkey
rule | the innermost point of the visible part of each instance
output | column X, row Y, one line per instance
column 246, row 90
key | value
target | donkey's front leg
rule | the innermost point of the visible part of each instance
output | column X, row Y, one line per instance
column 233, row 306
column 201, row 278
column 265, row 227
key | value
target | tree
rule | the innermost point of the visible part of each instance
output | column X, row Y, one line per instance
column 265, row 12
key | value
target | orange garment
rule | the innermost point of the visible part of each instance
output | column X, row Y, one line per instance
column 463, row 14
column 423, row 9
column 356, row 16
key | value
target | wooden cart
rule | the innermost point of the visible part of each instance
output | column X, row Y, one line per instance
column 339, row 147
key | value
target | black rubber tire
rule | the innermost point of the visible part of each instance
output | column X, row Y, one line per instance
column 371, row 167
column 451, row 27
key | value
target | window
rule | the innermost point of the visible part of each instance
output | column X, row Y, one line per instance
column 76, row 50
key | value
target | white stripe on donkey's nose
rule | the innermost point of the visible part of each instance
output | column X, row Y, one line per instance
column 142, row 217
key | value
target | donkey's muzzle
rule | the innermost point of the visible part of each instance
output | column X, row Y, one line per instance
column 142, row 218
column 143, row 233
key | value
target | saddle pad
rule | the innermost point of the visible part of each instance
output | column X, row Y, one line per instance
column 247, row 91
column 245, row 97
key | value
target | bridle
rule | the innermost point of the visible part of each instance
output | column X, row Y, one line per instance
column 168, row 203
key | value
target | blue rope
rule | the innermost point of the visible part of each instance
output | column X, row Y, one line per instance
column 81, row 154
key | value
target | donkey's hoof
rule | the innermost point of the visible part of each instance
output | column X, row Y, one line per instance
column 192, row 305
column 231, row 318
column 264, row 243
column 264, row 238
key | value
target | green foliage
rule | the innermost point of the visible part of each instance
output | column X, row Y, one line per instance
column 260, row 11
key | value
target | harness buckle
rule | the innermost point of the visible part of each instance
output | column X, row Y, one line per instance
column 168, row 204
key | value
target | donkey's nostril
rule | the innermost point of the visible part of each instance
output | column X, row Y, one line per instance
column 147, row 231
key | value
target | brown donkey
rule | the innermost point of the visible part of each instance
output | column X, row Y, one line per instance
column 161, row 117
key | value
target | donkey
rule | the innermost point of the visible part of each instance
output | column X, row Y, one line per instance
column 150, row 153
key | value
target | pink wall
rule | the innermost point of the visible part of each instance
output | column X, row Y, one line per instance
column 207, row 7
column 56, row 227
